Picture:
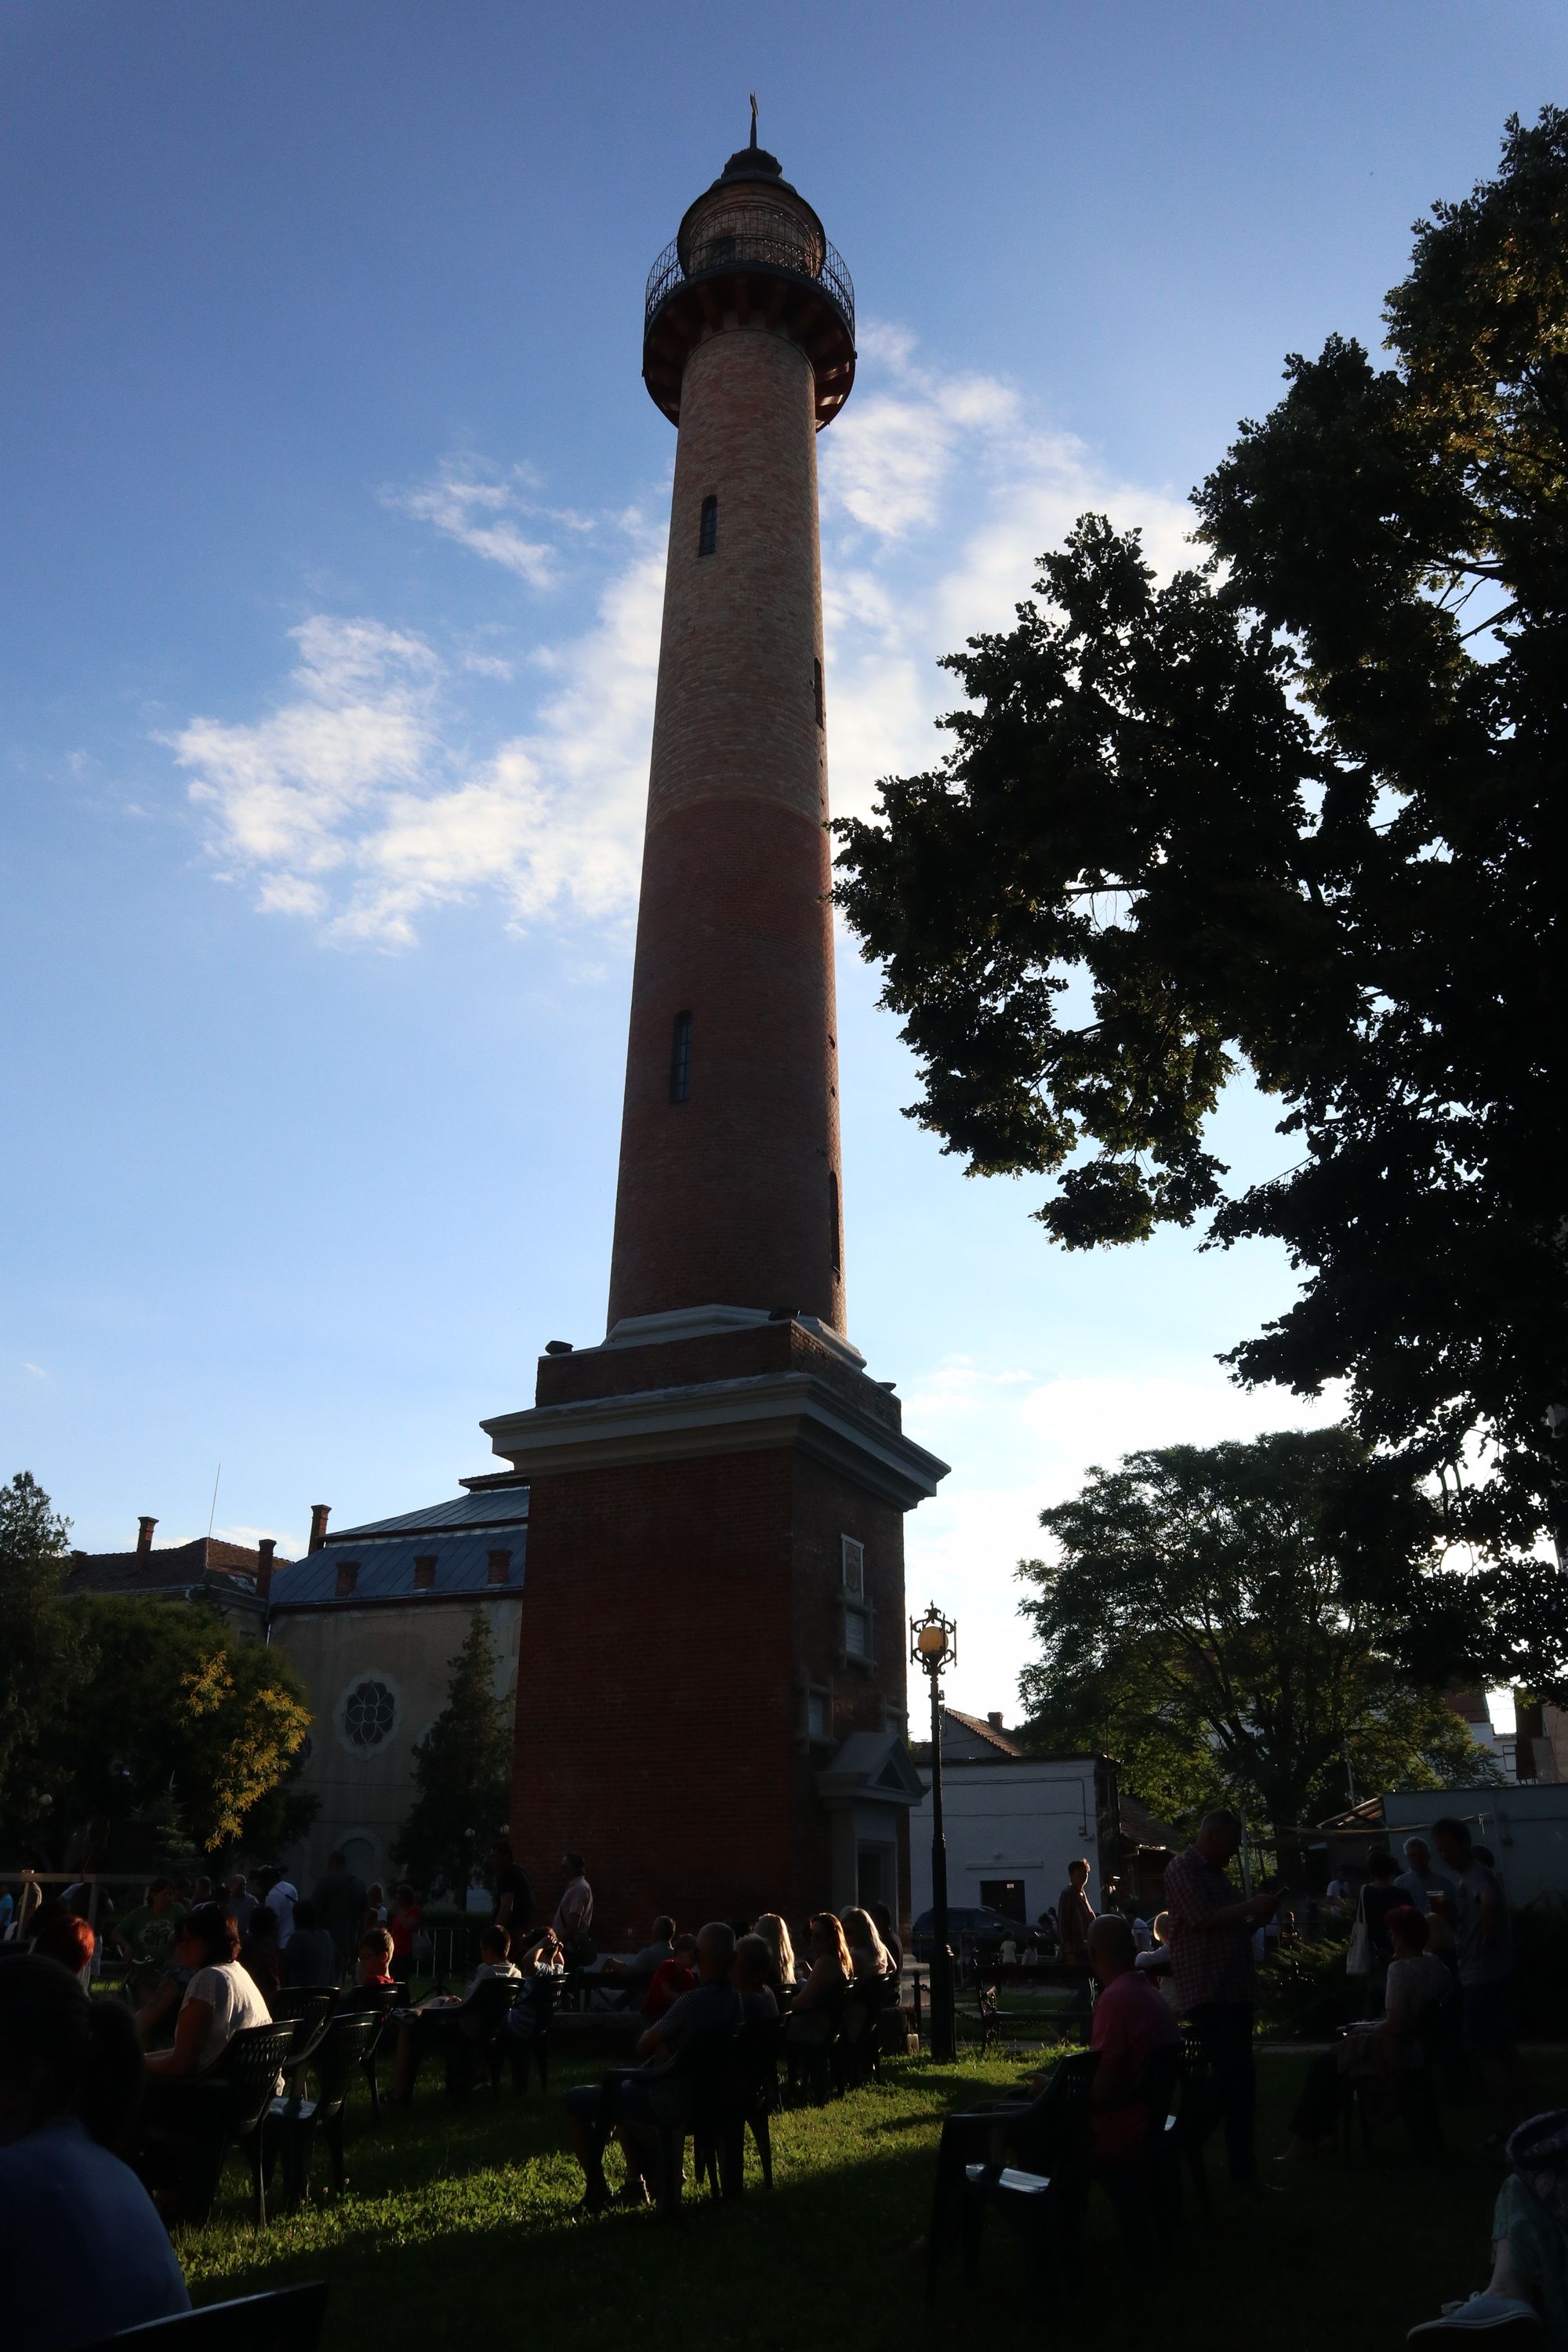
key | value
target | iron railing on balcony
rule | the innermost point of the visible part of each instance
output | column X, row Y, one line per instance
column 756, row 236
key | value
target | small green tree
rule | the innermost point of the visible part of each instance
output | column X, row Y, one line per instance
column 462, row 1768
column 1210, row 1622
column 43, row 1656
column 175, row 1712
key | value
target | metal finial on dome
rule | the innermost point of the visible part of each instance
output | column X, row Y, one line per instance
column 753, row 118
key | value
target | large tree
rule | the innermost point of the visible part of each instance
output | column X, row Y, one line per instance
column 115, row 1707
column 462, row 1769
column 1206, row 1618
column 1304, row 811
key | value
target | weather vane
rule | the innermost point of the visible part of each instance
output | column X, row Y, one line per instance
column 753, row 117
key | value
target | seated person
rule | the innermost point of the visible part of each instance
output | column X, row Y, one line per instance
column 1525, row 2301
column 309, row 1956
column 883, row 1919
column 82, row 2252
column 776, row 1936
column 259, row 1952
column 820, row 2002
column 869, row 1956
column 638, row 1973
column 1131, row 2021
column 373, row 1965
column 71, row 1942
column 671, row 1979
column 220, row 1999
column 750, row 1977
column 1414, row 1996
column 640, row 2105
column 421, row 2028
column 543, row 1965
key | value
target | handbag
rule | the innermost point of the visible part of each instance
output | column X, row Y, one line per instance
column 1358, row 1953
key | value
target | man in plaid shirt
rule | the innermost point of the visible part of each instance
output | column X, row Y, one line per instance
column 1210, row 1936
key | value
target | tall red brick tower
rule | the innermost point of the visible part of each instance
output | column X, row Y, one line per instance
column 710, row 1690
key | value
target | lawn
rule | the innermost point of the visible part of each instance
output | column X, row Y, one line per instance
column 457, row 2222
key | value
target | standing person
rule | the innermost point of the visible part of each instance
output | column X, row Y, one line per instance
column 1483, row 1937
column 83, row 2254
column 282, row 1898
column 375, row 1914
column 1380, row 1896
column 312, row 1957
column 146, row 1934
column 404, row 1927
column 1074, row 1914
column 1211, row 1931
column 1421, row 1878
column 574, row 1913
column 241, row 1904
column 259, row 1953
column 339, row 1900
column 511, row 1896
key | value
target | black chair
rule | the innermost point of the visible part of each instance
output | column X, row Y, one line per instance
column 292, row 2002
column 476, row 2031
column 294, row 2121
column 193, row 2125
column 287, row 2320
column 1415, row 2102
column 1047, row 2139
column 700, row 2095
column 1194, row 2114
column 757, row 2050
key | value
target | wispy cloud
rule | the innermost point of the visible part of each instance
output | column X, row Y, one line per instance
column 361, row 800
column 480, row 509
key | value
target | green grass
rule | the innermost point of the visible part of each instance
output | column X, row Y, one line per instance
column 455, row 2223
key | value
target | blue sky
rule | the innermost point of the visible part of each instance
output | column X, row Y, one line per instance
column 333, row 510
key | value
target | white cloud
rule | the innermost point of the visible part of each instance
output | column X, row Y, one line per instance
column 466, row 503
column 361, row 800
column 1019, row 1441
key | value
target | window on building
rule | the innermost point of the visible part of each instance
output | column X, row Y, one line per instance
column 854, row 1554
column 708, row 528
column 348, row 1577
column 424, row 1572
column 833, row 1220
column 369, row 1713
column 500, row 1567
column 896, row 1718
column 681, row 1058
column 816, row 691
column 856, row 1631
column 818, row 1713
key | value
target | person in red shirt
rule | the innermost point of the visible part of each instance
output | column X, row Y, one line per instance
column 374, row 1964
column 1131, row 2021
column 671, row 1979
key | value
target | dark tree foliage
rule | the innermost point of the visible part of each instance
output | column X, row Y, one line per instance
column 42, row 1653
column 1211, row 1619
column 1303, row 811
column 462, row 1769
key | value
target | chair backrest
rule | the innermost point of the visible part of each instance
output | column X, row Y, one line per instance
column 344, row 2048
column 1054, row 2130
column 487, row 2004
column 299, row 2001
column 287, row 2320
column 248, row 2071
column 706, row 2061
column 310, row 2018
column 1157, row 2083
column 757, row 2049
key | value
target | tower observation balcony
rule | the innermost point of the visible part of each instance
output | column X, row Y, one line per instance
column 750, row 252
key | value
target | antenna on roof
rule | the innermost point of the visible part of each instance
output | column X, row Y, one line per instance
column 753, row 121
column 212, row 1512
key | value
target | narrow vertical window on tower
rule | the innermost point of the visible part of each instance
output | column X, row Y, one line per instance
column 681, row 1058
column 832, row 1240
column 816, row 691
column 708, row 528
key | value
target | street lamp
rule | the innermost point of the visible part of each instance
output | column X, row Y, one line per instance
column 933, row 1644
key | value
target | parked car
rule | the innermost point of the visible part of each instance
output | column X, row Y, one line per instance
column 987, row 1926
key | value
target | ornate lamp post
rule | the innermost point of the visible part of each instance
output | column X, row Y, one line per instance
column 933, row 1644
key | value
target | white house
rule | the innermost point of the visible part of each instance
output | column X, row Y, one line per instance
column 1013, row 1823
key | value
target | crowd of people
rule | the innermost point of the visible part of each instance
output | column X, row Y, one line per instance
column 1431, row 1944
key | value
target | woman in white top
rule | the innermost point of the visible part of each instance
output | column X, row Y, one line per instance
column 221, row 1999
column 1418, row 1987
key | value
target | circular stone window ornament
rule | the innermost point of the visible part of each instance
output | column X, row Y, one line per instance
column 369, row 1710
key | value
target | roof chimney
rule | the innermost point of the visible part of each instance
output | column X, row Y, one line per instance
column 994, row 1717
column 264, row 1551
column 320, row 1514
column 144, row 1528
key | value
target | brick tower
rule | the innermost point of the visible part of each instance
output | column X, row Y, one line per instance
column 710, row 1687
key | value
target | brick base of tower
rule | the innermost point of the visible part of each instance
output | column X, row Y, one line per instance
column 692, row 1666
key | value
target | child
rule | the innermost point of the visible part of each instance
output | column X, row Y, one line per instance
column 373, row 1966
